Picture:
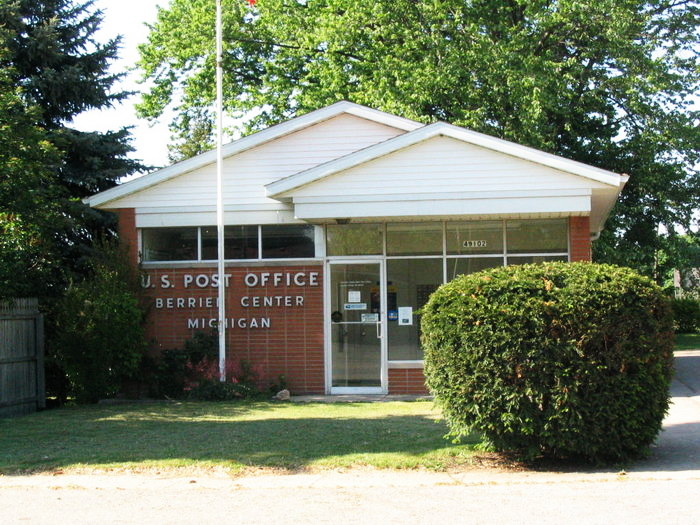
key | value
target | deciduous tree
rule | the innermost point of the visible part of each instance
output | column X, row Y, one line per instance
column 606, row 82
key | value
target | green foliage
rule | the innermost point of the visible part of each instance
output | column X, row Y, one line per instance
column 204, row 383
column 686, row 315
column 171, row 366
column 605, row 82
column 51, row 61
column 99, row 339
column 28, row 213
column 558, row 359
column 193, row 372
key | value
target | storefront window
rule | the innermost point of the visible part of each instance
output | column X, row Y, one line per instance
column 537, row 236
column 467, row 265
column 474, row 237
column 411, row 238
column 409, row 284
column 240, row 242
column 354, row 239
column 169, row 244
column 288, row 241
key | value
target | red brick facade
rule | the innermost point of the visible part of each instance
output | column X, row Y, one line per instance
column 126, row 222
column 406, row 381
column 278, row 328
column 280, row 332
column 579, row 239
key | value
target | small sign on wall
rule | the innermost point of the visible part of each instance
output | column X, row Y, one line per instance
column 355, row 306
column 405, row 315
column 354, row 296
column 370, row 318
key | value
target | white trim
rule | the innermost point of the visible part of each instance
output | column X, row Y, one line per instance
column 473, row 195
column 393, row 207
column 278, row 189
column 404, row 364
column 370, row 390
column 249, row 142
column 272, row 206
column 328, row 343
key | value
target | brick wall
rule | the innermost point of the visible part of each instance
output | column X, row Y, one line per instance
column 292, row 345
column 406, row 381
column 579, row 239
column 284, row 338
column 126, row 222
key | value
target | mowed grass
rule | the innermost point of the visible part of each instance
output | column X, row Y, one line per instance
column 687, row 342
column 234, row 436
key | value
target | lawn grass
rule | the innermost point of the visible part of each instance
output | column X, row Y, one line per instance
column 233, row 436
column 687, row 342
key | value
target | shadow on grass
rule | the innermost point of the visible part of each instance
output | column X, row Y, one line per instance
column 230, row 435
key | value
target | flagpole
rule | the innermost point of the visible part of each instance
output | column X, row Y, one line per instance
column 219, row 195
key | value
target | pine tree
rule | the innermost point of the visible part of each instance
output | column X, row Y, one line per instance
column 62, row 70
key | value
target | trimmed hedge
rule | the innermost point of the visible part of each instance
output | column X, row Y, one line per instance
column 686, row 315
column 559, row 359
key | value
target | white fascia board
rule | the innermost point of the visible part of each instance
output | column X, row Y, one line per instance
column 249, row 142
column 571, row 205
column 278, row 188
column 438, row 196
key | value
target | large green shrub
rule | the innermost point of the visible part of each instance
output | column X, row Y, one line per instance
column 686, row 314
column 558, row 359
column 99, row 340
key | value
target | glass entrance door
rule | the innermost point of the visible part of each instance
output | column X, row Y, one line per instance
column 356, row 327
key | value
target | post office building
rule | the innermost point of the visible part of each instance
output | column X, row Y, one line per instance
column 339, row 224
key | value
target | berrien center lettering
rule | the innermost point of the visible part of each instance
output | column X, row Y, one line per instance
column 266, row 282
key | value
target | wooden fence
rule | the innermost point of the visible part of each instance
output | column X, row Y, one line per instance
column 22, row 388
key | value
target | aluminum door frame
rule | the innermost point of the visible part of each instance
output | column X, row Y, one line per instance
column 328, row 364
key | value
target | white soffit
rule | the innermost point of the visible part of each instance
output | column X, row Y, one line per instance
column 249, row 142
column 281, row 188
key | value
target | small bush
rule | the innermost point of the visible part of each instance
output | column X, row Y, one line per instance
column 99, row 339
column 686, row 315
column 192, row 372
column 204, row 383
column 560, row 359
column 173, row 371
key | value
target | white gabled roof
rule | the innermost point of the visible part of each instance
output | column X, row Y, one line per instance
column 251, row 141
column 279, row 188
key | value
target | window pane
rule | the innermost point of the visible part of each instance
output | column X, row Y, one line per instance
column 240, row 242
column 414, row 238
column 288, row 241
column 468, row 265
column 537, row 235
column 466, row 238
column 409, row 283
column 536, row 259
column 169, row 244
column 354, row 239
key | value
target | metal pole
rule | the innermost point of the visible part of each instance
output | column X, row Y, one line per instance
column 219, row 195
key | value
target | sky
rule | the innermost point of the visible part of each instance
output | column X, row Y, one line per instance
column 128, row 18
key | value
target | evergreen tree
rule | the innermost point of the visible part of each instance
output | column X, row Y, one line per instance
column 60, row 69
column 28, row 195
